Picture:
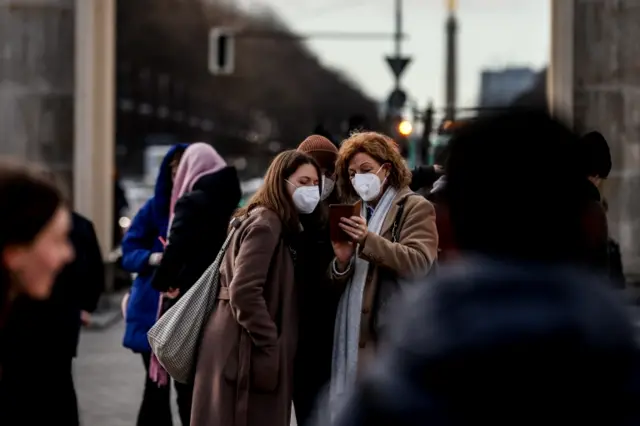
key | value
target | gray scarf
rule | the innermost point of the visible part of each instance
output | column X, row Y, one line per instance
column 347, row 327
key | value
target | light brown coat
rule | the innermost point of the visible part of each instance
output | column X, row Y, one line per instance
column 415, row 251
column 245, row 366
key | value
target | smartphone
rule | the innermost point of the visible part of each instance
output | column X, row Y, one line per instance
column 337, row 212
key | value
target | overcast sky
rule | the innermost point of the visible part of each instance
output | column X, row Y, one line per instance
column 492, row 34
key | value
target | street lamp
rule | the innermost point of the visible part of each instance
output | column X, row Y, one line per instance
column 405, row 128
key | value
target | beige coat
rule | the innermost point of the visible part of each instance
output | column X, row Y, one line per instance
column 415, row 251
column 245, row 366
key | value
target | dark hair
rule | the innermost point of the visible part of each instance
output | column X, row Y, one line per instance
column 514, row 188
column 594, row 155
column 29, row 201
column 273, row 193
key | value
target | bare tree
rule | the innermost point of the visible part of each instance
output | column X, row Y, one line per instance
column 278, row 86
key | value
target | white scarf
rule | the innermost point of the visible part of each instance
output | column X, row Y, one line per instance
column 346, row 336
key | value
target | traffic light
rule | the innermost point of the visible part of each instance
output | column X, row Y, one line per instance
column 221, row 51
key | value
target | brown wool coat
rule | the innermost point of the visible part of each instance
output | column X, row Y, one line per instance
column 415, row 251
column 245, row 365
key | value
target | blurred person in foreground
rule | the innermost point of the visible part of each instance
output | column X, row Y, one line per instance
column 393, row 244
column 318, row 303
column 34, row 245
column 57, row 322
column 204, row 196
column 142, row 250
column 517, row 333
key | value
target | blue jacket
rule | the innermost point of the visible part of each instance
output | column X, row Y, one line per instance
column 141, row 240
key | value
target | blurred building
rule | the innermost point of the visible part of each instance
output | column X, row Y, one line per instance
column 536, row 96
column 499, row 88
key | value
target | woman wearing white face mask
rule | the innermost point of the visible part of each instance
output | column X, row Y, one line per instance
column 393, row 244
column 318, row 301
column 244, row 372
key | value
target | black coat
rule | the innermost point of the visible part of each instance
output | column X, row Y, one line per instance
column 423, row 177
column 199, row 228
column 318, row 305
column 41, row 337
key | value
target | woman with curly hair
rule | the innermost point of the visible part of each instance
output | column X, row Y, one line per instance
column 393, row 242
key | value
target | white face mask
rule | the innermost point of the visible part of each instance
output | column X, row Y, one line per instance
column 306, row 198
column 327, row 187
column 367, row 185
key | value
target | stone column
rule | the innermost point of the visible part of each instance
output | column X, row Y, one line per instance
column 36, row 82
column 93, row 182
column 51, row 50
column 594, row 82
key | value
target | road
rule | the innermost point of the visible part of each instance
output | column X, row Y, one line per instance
column 109, row 379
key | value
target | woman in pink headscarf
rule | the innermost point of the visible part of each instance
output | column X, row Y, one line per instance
column 206, row 192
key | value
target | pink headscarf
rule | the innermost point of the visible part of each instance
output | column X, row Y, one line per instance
column 199, row 159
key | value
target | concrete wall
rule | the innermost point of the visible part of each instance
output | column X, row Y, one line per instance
column 594, row 82
column 56, row 96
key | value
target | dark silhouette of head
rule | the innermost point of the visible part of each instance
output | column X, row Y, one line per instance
column 594, row 157
column 34, row 223
column 514, row 187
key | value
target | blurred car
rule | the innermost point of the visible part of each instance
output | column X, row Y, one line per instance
column 249, row 187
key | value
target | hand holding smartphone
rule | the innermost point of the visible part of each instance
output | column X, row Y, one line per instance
column 338, row 211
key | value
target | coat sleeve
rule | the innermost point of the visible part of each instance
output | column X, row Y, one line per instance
column 94, row 283
column 246, row 288
column 417, row 245
column 138, row 241
column 595, row 227
column 184, row 232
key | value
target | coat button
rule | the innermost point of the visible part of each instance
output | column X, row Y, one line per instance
column 362, row 344
column 365, row 311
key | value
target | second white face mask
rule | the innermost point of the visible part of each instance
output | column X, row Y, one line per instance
column 306, row 198
column 327, row 187
column 367, row 185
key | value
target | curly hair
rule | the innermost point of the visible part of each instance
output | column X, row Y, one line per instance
column 273, row 193
column 382, row 149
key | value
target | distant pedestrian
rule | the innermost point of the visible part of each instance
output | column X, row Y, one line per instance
column 594, row 160
column 206, row 192
column 142, row 249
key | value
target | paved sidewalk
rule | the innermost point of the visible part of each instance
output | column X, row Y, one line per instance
column 109, row 379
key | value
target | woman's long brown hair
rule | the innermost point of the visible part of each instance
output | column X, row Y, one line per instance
column 273, row 193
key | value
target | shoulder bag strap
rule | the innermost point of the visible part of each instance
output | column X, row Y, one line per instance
column 395, row 229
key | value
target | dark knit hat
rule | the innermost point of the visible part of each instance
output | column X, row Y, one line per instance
column 321, row 149
column 595, row 155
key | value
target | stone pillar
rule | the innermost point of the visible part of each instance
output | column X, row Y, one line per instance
column 36, row 82
column 51, row 50
column 594, row 83
column 93, row 182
